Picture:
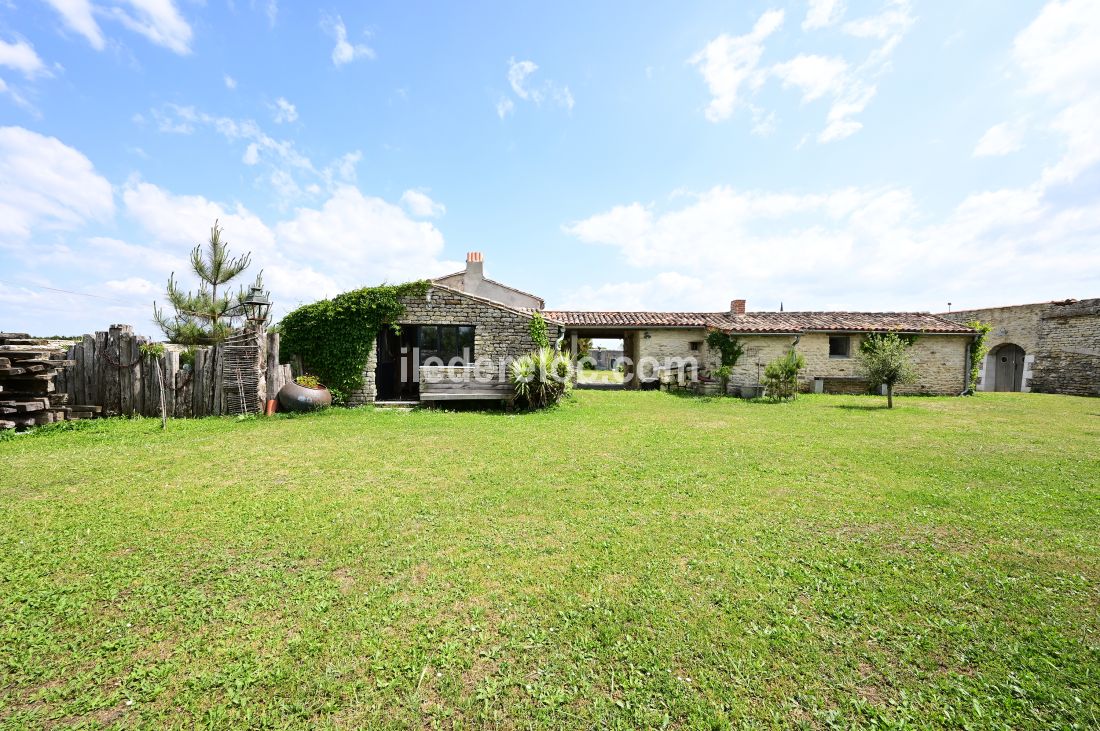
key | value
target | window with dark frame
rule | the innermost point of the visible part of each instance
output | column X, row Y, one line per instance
column 696, row 344
column 840, row 346
column 449, row 343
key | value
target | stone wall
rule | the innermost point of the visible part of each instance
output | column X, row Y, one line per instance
column 499, row 332
column 940, row 360
column 1068, row 359
column 1061, row 342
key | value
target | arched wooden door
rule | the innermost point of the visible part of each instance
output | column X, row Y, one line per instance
column 1009, row 367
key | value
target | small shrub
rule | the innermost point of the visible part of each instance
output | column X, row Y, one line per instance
column 781, row 376
column 541, row 378
column 723, row 374
column 307, row 381
column 187, row 358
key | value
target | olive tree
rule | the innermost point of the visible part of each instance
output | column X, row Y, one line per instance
column 884, row 360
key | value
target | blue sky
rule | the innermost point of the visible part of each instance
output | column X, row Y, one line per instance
column 877, row 155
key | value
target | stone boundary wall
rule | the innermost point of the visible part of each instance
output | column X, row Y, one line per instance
column 1068, row 360
column 1061, row 342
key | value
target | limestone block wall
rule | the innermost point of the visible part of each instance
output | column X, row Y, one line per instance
column 940, row 360
column 499, row 332
column 1061, row 342
column 1068, row 358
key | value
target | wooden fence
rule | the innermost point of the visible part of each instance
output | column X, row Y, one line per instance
column 234, row 377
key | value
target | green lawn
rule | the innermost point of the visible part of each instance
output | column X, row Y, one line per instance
column 587, row 376
column 626, row 560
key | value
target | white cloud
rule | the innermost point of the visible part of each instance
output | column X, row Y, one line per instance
column 230, row 82
column 667, row 290
column 159, row 21
column 894, row 20
column 420, row 204
column 285, row 111
column 344, row 52
column 47, row 185
column 133, row 285
column 351, row 240
column 291, row 173
column 1000, row 139
column 272, row 12
column 809, row 247
column 731, row 67
column 21, row 56
column 519, row 73
column 822, row 13
column 815, row 75
column 1060, row 63
column 729, row 62
column 78, row 17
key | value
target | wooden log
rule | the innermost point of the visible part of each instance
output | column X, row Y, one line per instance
column 86, row 373
column 111, row 390
column 171, row 367
column 198, row 384
column 217, row 404
column 126, row 373
column 98, row 394
column 79, row 391
column 151, row 394
column 271, row 367
column 137, row 385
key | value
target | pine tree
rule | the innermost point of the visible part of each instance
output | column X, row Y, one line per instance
column 207, row 316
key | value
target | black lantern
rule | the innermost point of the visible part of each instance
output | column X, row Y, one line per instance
column 256, row 305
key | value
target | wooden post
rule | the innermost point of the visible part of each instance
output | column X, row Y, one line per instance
column 137, row 380
column 111, row 391
column 217, row 407
column 196, row 382
column 171, row 365
column 77, row 388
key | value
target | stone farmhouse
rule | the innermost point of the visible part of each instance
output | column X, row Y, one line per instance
column 1048, row 347
column 466, row 317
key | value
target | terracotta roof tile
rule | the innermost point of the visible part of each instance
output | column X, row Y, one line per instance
column 766, row 322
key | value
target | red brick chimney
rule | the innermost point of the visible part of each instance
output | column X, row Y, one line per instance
column 737, row 307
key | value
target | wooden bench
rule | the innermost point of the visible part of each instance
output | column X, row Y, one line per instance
column 460, row 383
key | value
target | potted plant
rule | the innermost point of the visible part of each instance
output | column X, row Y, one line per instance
column 304, row 393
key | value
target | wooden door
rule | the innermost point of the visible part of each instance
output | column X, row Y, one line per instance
column 1009, row 368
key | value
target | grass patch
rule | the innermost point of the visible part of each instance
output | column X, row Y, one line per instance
column 627, row 559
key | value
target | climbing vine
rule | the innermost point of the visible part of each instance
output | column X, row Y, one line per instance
column 539, row 332
column 730, row 346
column 334, row 337
column 977, row 353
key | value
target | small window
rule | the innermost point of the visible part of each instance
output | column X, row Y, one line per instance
column 839, row 346
column 696, row 344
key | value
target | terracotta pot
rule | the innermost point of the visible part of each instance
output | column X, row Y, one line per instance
column 293, row 397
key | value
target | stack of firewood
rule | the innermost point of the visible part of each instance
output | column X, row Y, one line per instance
column 28, row 393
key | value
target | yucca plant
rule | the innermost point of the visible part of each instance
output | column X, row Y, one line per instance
column 542, row 377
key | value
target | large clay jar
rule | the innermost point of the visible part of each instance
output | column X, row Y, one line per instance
column 293, row 397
